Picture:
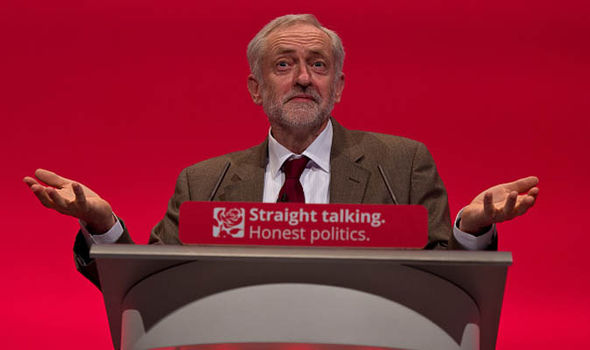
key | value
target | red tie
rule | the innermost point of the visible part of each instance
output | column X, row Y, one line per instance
column 292, row 191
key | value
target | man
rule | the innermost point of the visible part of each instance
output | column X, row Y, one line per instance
column 296, row 76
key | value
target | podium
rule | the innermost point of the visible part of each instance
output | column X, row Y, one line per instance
column 190, row 297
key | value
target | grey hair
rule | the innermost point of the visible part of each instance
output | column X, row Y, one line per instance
column 256, row 45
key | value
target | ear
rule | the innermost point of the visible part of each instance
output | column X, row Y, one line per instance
column 254, row 89
column 339, row 87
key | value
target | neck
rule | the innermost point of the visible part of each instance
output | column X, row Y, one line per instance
column 296, row 140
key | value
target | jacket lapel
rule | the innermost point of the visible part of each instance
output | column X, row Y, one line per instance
column 348, row 178
column 244, row 181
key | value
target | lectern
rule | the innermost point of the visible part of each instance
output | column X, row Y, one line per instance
column 183, row 297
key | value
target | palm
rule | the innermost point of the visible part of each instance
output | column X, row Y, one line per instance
column 499, row 203
column 93, row 201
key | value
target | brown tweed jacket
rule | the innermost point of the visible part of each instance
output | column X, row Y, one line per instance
column 354, row 178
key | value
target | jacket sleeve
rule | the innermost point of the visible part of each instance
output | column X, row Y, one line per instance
column 427, row 189
column 84, row 263
column 166, row 231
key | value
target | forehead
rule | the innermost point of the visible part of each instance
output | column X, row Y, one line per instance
column 301, row 36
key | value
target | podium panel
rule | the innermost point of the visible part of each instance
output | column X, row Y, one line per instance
column 193, row 297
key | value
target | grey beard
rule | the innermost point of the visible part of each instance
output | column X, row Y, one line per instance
column 297, row 115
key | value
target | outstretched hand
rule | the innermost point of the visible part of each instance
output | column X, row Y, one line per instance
column 72, row 198
column 499, row 203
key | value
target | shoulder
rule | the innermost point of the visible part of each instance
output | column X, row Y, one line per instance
column 198, row 180
column 377, row 146
column 214, row 166
column 376, row 141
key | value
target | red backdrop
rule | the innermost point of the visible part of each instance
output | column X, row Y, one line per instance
column 122, row 95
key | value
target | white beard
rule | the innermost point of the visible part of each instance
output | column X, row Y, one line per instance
column 297, row 114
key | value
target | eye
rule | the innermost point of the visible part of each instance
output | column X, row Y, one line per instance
column 282, row 65
column 319, row 66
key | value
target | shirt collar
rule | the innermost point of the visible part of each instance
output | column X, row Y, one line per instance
column 318, row 152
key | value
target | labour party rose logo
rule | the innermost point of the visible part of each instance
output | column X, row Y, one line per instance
column 229, row 222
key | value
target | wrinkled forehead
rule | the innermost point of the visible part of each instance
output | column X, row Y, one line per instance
column 296, row 37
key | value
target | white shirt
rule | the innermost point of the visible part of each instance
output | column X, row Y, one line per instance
column 315, row 181
column 315, row 178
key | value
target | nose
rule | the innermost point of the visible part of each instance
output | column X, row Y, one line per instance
column 303, row 77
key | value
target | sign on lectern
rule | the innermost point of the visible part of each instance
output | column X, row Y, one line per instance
column 295, row 224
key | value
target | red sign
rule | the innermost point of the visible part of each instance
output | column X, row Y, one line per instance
column 296, row 224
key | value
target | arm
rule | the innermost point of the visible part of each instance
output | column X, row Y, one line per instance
column 71, row 198
column 166, row 231
column 427, row 189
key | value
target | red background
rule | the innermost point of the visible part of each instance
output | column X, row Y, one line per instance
column 122, row 95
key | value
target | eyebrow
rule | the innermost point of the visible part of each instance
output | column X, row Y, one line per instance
column 315, row 52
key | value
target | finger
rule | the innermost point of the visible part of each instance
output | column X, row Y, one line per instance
column 79, row 192
column 59, row 201
column 41, row 193
column 488, row 205
column 523, row 185
column 51, row 178
column 534, row 192
column 524, row 204
column 30, row 181
column 529, row 201
column 510, row 203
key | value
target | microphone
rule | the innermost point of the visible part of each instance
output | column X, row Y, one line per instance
column 214, row 192
column 384, row 177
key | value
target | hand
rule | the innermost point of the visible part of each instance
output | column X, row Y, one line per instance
column 499, row 203
column 71, row 198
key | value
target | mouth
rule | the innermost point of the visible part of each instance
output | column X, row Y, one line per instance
column 302, row 98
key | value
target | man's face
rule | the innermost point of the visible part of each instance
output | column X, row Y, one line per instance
column 299, row 85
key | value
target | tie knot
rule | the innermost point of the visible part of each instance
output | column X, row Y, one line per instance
column 294, row 167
